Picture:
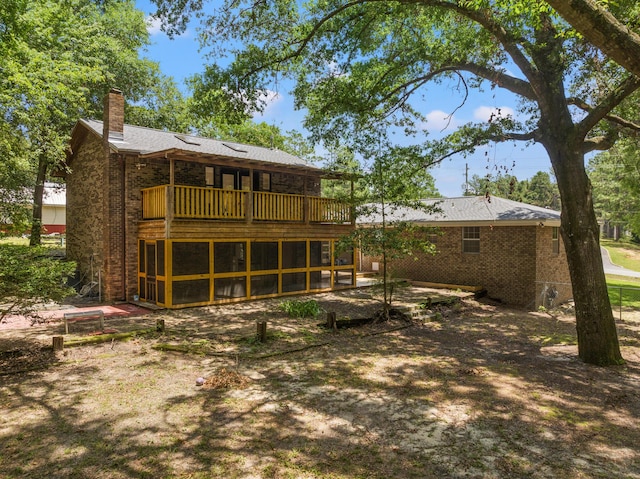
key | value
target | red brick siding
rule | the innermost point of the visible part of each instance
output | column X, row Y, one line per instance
column 552, row 269
column 85, row 215
column 507, row 266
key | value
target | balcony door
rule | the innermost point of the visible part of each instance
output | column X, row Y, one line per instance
column 233, row 179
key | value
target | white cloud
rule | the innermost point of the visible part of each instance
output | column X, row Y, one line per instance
column 484, row 113
column 271, row 99
column 153, row 25
column 438, row 120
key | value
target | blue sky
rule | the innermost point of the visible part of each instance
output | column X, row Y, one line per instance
column 180, row 58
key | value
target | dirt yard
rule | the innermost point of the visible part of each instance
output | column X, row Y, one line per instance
column 482, row 391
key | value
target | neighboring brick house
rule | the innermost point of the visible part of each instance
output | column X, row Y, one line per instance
column 512, row 250
column 182, row 221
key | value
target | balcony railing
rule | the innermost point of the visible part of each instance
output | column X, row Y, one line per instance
column 189, row 202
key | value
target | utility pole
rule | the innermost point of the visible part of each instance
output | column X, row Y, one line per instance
column 466, row 179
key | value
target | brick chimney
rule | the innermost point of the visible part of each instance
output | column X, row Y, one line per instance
column 113, row 126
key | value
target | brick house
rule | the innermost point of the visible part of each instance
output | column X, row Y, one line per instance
column 180, row 220
column 512, row 250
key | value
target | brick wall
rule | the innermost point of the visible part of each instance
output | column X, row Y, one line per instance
column 507, row 266
column 85, row 215
column 552, row 270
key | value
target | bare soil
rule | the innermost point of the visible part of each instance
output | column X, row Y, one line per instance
column 482, row 392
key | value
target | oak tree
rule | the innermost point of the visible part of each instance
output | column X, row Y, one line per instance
column 362, row 67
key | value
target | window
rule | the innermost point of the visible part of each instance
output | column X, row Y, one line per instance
column 555, row 240
column 209, row 177
column 471, row 239
column 266, row 181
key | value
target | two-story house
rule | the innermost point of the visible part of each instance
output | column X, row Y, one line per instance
column 180, row 220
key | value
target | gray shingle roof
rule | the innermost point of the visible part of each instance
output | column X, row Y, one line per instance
column 472, row 210
column 146, row 141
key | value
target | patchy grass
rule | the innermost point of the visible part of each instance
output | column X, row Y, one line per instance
column 624, row 289
column 623, row 253
column 487, row 392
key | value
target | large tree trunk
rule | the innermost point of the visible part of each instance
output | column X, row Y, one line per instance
column 597, row 335
column 38, row 194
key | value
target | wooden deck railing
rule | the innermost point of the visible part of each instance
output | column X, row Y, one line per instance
column 210, row 203
column 278, row 207
column 328, row 210
column 154, row 202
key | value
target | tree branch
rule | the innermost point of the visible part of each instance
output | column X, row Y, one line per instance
column 615, row 97
column 603, row 30
column 623, row 122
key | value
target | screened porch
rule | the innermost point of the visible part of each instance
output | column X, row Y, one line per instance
column 179, row 273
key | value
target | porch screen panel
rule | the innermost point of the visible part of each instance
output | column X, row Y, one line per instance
column 150, row 260
column 161, row 292
column 141, row 260
column 264, row 256
column 320, row 279
column 160, row 255
column 229, row 257
column 294, row 282
column 345, row 258
column 229, row 288
column 264, row 284
column 190, row 291
column 190, row 258
column 294, row 254
column 343, row 278
column 320, row 253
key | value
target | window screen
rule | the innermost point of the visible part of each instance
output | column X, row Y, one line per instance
column 264, row 256
column 160, row 255
column 343, row 278
column 294, row 254
column 229, row 257
column 320, row 279
column 320, row 253
column 294, row 282
column 190, row 258
column 264, row 284
column 191, row 291
column 344, row 258
column 227, row 288
column 141, row 259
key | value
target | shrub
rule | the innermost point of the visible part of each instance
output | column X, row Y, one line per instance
column 301, row 309
column 29, row 278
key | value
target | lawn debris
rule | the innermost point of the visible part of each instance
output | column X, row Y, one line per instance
column 226, row 379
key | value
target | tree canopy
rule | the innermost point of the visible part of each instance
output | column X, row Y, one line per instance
column 59, row 59
column 361, row 68
column 539, row 190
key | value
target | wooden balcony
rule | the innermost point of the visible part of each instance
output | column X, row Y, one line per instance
column 189, row 202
